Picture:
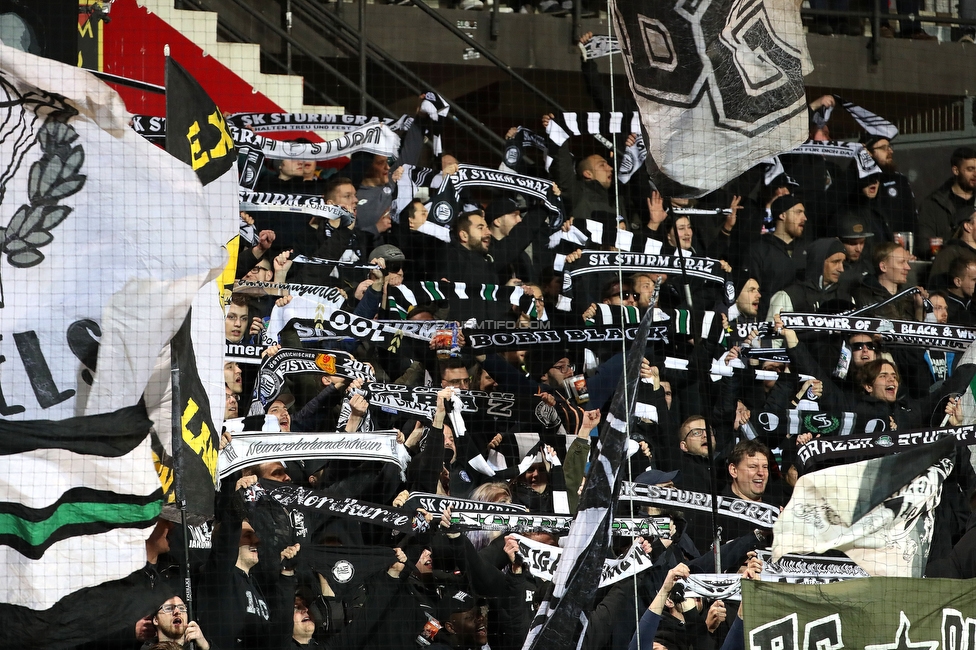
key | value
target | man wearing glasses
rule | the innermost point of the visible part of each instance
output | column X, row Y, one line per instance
column 693, row 442
column 896, row 199
column 172, row 625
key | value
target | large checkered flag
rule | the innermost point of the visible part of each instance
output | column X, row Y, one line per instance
column 719, row 85
column 562, row 618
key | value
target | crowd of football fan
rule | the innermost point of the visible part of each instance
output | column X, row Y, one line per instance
column 818, row 237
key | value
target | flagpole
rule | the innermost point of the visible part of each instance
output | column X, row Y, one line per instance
column 178, row 487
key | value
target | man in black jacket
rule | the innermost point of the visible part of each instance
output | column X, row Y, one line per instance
column 775, row 262
column 937, row 210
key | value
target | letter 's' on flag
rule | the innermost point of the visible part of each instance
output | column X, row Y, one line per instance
column 195, row 129
column 719, row 85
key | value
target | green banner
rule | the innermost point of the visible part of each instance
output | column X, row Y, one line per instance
column 868, row 613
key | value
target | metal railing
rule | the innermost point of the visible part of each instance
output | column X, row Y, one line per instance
column 350, row 39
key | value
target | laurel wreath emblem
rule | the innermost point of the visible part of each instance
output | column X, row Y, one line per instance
column 52, row 178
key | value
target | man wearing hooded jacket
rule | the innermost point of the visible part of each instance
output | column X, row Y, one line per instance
column 825, row 264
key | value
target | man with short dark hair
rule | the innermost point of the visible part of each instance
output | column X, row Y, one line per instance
column 959, row 293
column 776, row 261
column 896, row 200
column 749, row 470
column 172, row 625
column 936, row 212
column 466, row 260
column 694, row 436
column 454, row 374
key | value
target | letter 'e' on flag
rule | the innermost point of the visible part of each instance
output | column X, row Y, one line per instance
column 195, row 129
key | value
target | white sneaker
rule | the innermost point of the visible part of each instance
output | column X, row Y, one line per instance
column 469, row 5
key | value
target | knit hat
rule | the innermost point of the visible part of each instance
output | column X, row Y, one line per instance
column 782, row 204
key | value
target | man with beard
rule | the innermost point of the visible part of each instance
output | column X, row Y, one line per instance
column 467, row 260
column 777, row 259
column 895, row 197
column 936, row 213
column 172, row 625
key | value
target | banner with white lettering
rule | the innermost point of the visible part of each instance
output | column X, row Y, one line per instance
column 375, row 138
column 541, row 560
column 702, row 268
column 892, row 332
column 520, row 523
column 280, row 122
column 422, row 400
column 318, row 505
column 289, row 361
column 760, row 514
column 310, row 204
column 848, row 448
column 520, row 339
column 248, row 449
column 540, row 188
column 795, row 568
column 436, row 503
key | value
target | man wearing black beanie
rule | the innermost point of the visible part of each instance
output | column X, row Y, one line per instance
column 779, row 258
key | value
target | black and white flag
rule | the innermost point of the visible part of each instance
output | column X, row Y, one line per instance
column 719, row 85
column 562, row 618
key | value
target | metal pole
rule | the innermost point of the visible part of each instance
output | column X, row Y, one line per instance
column 876, row 32
column 362, row 56
column 178, row 487
column 288, row 29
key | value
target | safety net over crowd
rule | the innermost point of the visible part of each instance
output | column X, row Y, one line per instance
column 677, row 369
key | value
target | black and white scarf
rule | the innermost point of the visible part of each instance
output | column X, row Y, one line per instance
column 288, row 361
column 310, row 204
column 849, row 448
column 374, row 138
column 599, row 46
column 892, row 332
column 246, row 449
column 279, row 122
column 759, row 514
column 539, row 188
column 702, row 268
column 319, row 505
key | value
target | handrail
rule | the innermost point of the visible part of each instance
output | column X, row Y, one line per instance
column 314, row 57
column 222, row 23
column 423, row 6
column 404, row 74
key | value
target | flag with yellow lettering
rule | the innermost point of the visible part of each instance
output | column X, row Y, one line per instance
column 195, row 128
